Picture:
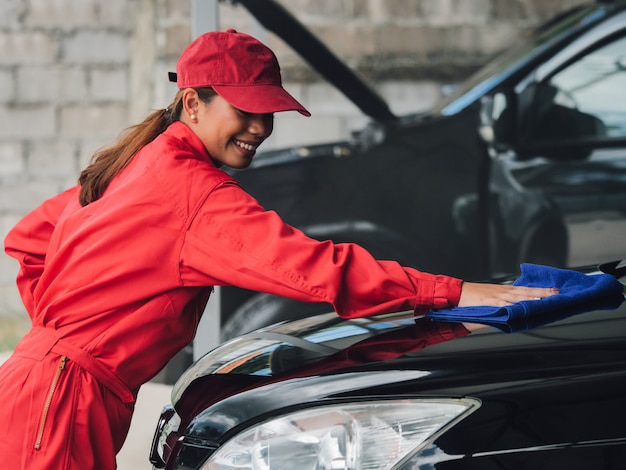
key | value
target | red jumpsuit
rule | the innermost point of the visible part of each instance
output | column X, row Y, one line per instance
column 114, row 289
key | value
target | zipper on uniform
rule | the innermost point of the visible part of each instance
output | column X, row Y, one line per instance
column 46, row 406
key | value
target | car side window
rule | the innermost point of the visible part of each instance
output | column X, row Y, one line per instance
column 585, row 100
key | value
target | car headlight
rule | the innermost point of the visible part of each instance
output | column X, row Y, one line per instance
column 372, row 435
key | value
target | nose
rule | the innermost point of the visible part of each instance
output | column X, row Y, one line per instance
column 261, row 124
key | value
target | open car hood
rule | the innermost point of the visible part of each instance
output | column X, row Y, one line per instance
column 275, row 18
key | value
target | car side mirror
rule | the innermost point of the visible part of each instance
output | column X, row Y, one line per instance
column 485, row 128
column 555, row 117
column 496, row 120
column 552, row 123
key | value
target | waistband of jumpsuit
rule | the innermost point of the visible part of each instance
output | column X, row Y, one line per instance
column 40, row 341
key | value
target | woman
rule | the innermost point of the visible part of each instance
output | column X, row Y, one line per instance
column 116, row 271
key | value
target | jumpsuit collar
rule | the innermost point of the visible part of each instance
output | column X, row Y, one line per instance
column 182, row 132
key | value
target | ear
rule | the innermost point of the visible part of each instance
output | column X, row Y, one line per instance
column 190, row 101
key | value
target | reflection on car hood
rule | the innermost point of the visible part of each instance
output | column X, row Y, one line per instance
column 329, row 358
column 327, row 344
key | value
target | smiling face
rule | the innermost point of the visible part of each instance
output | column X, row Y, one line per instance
column 231, row 136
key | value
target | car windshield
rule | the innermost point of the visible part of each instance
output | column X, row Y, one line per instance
column 505, row 65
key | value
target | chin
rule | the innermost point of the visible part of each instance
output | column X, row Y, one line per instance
column 241, row 165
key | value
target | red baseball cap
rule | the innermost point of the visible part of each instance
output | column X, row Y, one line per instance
column 240, row 69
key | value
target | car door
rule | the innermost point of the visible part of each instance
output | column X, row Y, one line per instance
column 567, row 165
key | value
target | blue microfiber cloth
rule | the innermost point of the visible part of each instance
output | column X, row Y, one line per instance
column 578, row 293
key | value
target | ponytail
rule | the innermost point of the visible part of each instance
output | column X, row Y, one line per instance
column 108, row 162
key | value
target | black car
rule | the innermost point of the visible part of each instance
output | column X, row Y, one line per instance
column 403, row 392
column 525, row 162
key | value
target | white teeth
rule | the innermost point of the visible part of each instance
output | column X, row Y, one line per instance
column 245, row 146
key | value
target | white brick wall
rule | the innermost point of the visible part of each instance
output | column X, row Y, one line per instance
column 53, row 159
column 92, row 120
column 11, row 160
column 31, row 122
column 96, row 47
column 19, row 48
column 51, row 84
column 7, row 85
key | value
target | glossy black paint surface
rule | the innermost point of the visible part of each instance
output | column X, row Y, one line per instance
column 551, row 397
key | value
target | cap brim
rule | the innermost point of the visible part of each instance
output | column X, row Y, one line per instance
column 260, row 99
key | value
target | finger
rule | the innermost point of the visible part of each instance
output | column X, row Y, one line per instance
column 532, row 293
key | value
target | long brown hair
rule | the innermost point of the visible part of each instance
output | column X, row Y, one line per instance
column 108, row 162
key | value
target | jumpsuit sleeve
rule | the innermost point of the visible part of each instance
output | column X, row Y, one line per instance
column 234, row 241
column 28, row 243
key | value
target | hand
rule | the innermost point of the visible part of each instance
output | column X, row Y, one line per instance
column 498, row 295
